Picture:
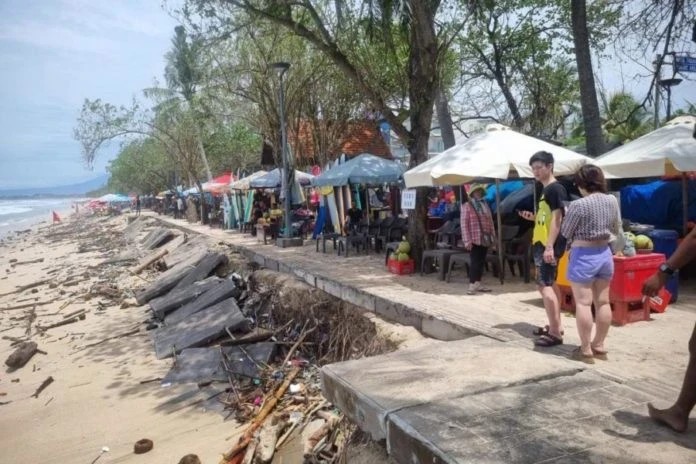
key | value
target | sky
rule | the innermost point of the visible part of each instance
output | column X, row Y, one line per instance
column 56, row 53
column 53, row 55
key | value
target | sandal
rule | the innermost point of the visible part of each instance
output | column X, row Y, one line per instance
column 600, row 354
column 547, row 340
column 539, row 331
column 578, row 355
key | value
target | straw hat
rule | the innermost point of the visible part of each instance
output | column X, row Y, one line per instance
column 475, row 187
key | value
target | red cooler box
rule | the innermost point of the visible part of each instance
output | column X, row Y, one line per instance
column 630, row 273
column 625, row 294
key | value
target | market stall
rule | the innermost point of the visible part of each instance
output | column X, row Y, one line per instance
column 362, row 171
column 498, row 153
column 242, row 198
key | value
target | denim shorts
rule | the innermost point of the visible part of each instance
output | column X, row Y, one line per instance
column 545, row 273
column 586, row 264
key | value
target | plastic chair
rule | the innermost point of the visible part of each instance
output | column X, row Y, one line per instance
column 519, row 251
column 395, row 232
column 383, row 229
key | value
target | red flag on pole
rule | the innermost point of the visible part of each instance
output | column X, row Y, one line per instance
column 56, row 218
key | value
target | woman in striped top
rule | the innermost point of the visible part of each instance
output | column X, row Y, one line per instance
column 589, row 225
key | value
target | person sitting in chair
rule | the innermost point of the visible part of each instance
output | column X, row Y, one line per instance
column 353, row 218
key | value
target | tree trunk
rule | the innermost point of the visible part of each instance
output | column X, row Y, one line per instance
column 588, row 93
column 424, row 77
column 203, row 207
column 444, row 118
column 517, row 120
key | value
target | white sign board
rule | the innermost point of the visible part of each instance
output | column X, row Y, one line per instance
column 408, row 199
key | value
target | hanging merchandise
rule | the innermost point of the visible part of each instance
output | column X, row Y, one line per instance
column 314, row 197
column 341, row 209
column 358, row 202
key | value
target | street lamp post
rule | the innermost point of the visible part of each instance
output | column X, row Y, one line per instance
column 288, row 171
column 668, row 84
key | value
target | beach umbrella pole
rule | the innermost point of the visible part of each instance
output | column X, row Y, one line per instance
column 499, row 219
column 685, row 202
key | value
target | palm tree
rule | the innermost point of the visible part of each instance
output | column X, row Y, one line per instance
column 184, row 74
column 624, row 119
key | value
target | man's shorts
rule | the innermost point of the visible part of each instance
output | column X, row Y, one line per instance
column 545, row 273
column 586, row 264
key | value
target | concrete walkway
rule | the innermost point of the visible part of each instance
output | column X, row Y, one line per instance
column 492, row 396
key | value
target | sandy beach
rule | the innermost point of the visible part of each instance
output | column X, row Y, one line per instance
column 99, row 396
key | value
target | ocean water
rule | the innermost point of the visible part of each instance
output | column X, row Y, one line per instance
column 22, row 214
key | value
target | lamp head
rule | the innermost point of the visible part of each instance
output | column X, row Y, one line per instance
column 280, row 67
column 670, row 82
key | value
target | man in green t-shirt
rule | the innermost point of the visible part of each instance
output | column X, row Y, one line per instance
column 547, row 244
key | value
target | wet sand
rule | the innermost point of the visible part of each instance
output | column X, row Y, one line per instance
column 96, row 399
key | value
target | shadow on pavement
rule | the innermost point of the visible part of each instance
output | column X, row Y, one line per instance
column 525, row 329
column 652, row 432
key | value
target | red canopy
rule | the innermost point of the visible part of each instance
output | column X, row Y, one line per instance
column 219, row 184
column 225, row 178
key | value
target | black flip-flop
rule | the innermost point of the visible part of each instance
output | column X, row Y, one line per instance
column 539, row 331
column 548, row 340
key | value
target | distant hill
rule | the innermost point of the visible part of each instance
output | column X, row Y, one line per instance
column 58, row 191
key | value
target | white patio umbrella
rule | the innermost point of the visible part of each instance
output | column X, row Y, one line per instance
column 494, row 154
column 669, row 150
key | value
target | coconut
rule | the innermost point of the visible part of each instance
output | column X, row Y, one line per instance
column 643, row 242
column 404, row 247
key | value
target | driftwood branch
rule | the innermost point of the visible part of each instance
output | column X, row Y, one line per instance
column 43, row 328
column 126, row 334
column 77, row 312
column 21, row 355
column 148, row 260
column 268, row 406
column 43, row 386
column 31, row 261
column 27, row 287
column 298, row 343
column 28, row 305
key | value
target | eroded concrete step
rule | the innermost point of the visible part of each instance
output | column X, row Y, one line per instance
column 478, row 400
column 368, row 390
column 557, row 419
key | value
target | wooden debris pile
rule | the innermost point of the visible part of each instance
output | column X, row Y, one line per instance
column 256, row 339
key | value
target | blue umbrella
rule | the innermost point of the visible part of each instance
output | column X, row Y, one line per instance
column 363, row 169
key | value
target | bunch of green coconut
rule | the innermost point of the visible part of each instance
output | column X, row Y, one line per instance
column 641, row 243
column 401, row 252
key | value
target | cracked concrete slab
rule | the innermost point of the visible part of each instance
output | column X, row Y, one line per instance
column 579, row 418
column 368, row 390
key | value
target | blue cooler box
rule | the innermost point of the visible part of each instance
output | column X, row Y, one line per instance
column 665, row 242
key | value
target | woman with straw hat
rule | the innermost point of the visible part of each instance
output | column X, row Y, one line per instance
column 478, row 235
